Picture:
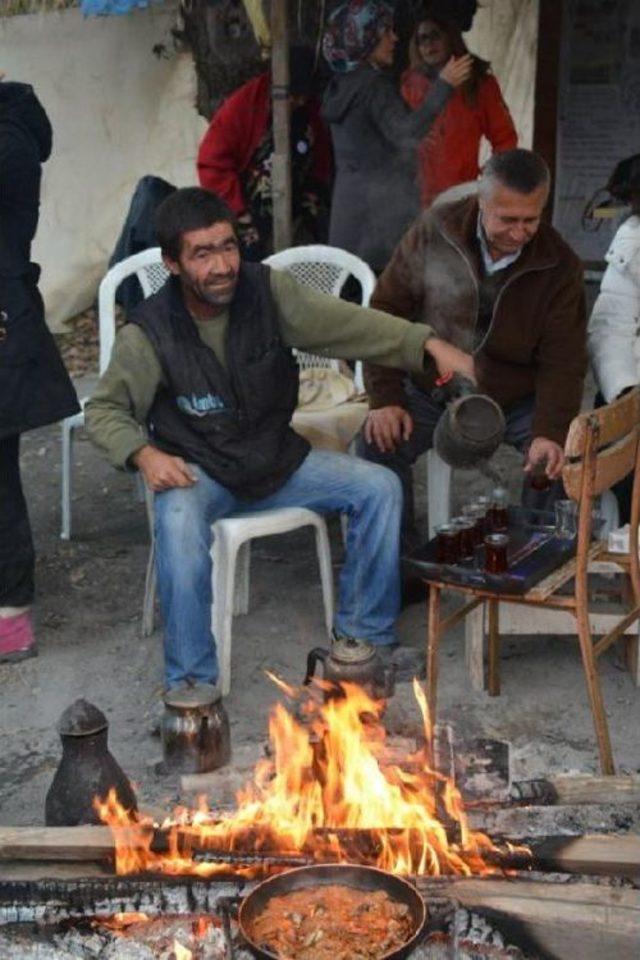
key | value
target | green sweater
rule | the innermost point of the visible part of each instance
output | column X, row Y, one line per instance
column 310, row 321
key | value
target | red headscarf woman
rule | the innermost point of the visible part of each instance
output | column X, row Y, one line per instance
column 449, row 153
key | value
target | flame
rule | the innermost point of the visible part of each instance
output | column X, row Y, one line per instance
column 181, row 953
column 120, row 921
column 330, row 791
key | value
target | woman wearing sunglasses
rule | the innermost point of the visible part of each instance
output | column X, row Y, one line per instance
column 448, row 155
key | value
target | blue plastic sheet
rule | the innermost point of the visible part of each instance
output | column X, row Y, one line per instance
column 104, row 8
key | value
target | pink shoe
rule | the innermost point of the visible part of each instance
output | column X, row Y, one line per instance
column 16, row 637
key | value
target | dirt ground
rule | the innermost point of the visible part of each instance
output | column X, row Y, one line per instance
column 88, row 614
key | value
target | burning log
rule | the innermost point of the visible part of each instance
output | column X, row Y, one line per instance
column 588, row 855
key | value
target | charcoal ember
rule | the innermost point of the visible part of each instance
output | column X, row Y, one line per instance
column 22, row 942
column 82, row 942
column 476, row 928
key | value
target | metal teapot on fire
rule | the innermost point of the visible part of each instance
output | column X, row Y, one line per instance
column 353, row 661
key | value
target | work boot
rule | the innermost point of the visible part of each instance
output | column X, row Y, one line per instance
column 17, row 641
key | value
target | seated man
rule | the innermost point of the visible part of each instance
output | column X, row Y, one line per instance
column 507, row 290
column 206, row 365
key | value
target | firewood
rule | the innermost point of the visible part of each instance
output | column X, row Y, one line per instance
column 561, row 920
column 578, row 790
column 55, row 843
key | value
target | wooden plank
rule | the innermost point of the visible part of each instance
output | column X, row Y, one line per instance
column 564, row 921
column 474, row 648
column 596, row 854
column 583, row 789
column 12, row 871
column 55, row 843
column 556, row 579
column 617, row 631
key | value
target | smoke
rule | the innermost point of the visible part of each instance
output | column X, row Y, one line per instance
column 497, row 478
column 449, row 297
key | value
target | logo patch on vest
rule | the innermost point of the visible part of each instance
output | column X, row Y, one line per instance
column 200, row 406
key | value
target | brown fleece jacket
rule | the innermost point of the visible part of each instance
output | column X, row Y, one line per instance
column 536, row 344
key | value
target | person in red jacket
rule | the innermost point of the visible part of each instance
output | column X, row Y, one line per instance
column 448, row 155
column 234, row 159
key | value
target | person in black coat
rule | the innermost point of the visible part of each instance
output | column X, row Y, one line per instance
column 35, row 388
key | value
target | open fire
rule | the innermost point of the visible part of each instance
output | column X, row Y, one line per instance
column 330, row 791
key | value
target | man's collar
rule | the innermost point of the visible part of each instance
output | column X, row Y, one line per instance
column 490, row 265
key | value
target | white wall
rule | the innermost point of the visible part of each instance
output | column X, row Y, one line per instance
column 506, row 33
column 118, row 112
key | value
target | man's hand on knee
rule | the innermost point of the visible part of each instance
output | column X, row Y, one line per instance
column 387, row 427
column 161, row 471
column 546, row 451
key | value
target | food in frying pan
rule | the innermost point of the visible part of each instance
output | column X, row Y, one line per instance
column 332, row 922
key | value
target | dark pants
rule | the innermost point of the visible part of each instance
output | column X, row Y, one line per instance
column 425, row 413
column 17, row 557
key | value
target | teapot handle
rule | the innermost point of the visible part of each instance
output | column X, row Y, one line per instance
column 318, row 653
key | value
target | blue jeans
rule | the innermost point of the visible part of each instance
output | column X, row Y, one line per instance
column 425, row 413
column 369, row 594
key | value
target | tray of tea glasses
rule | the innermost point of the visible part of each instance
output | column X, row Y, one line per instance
column 533, row 552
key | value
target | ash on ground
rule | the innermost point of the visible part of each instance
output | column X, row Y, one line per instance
column 461, row 935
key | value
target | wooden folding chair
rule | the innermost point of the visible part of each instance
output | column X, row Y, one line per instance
column 602, row 447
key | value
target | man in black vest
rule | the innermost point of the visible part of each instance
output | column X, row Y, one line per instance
column 206, row 366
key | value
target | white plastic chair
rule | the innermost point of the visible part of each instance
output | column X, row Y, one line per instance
column 151, row 273
column 230, row 554
column 325, row 269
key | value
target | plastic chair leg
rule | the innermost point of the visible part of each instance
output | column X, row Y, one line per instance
column 243, row 577
column 326, row 572
column 438, row 491
column 67, row 485
column 149, row 602
column 224, row 558
column 140, row 488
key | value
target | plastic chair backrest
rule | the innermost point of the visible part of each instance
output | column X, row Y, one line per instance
column 325, row 269
column 151, row 273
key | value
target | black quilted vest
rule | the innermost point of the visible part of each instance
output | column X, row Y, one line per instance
column 234, row 423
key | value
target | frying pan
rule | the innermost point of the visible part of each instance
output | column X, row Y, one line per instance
column 357, row 877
